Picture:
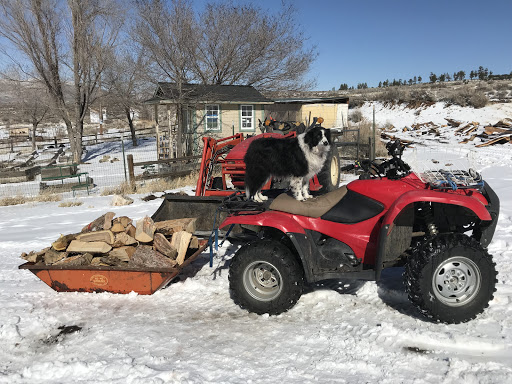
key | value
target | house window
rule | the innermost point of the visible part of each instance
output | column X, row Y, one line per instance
column 212, row 118
column 247, row 117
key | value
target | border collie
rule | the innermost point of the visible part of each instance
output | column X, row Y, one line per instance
column 294, row 159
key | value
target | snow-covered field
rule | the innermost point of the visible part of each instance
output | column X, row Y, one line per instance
column 192, row 332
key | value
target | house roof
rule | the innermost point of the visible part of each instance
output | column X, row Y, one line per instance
column 199, row 93
column 314, row 100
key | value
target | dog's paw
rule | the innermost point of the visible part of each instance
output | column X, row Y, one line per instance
column 260, row 198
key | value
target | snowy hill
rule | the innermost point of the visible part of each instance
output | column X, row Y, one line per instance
column 192, row 332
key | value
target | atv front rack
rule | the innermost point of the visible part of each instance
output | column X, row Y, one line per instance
column 452, row 179
column 446, row 169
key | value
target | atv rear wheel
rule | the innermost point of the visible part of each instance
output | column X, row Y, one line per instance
column 265, row 277
column 329, row 176
column 450, row 278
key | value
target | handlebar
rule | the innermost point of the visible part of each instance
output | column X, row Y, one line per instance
column 393, row 168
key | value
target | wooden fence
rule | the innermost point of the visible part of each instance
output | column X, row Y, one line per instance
column 184, row 165
column 18, row 143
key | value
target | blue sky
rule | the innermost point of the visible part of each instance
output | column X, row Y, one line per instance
column 367, row 41
column 370, row 41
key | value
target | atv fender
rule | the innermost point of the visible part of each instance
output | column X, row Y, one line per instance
column 285, row 223
column 410, row 197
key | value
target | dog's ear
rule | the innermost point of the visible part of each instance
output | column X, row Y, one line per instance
column 309, row 138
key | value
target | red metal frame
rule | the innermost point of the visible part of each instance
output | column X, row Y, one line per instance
column 233, row 165
column 211, row 153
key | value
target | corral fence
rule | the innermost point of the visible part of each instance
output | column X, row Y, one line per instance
column 23, row 144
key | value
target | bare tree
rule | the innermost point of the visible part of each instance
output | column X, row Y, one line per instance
column 35, row 104
column 29, row 101
column 126, row 85
column 167, row 30
column 63, row 40
column 225, row 44
column 240, row 44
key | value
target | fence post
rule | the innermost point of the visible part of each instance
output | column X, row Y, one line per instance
column 358, row 141
column 131, row 171
column 124, row 156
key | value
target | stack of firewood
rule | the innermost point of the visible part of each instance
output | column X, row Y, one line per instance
column 118, row 242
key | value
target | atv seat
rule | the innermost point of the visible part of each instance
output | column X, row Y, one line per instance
column 315, row 207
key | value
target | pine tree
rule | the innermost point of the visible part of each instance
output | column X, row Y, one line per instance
column 433, row 77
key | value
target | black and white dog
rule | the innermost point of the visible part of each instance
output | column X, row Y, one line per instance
column 296, row 160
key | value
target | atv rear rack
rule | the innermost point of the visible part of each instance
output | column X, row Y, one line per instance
column 237, row 204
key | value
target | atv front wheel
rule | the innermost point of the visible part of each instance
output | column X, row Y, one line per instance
column 265, row 277
column 450, row 278
column 329, row 176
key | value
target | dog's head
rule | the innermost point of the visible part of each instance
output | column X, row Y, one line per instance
column 318, row 139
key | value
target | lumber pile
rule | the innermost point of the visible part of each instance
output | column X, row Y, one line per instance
column 111, row 241
column 480, row 135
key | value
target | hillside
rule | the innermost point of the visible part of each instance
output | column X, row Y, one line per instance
column 463, row 93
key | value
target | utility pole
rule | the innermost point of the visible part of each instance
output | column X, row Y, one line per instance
column 373, row 133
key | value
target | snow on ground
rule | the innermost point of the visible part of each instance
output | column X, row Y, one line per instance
column 108, row 173
column 192, row 332
column 401, row 116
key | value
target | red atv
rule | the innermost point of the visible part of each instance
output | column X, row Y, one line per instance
column 438, row 229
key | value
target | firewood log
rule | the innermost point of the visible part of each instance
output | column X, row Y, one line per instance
column 168, row 227
column 106, row 236
column 91, row 247
column 124, row 220
column 180, row 240
column 109, row 216
column 63, row 241
column 194, row 242
column 99, row 223
column 122, row 253
column 84, row 259
column 162, row 245
column 52, row 256
column 117, row 227
column 130, row 230
column 33, row 256
column 145, row 230
column 122, row 239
